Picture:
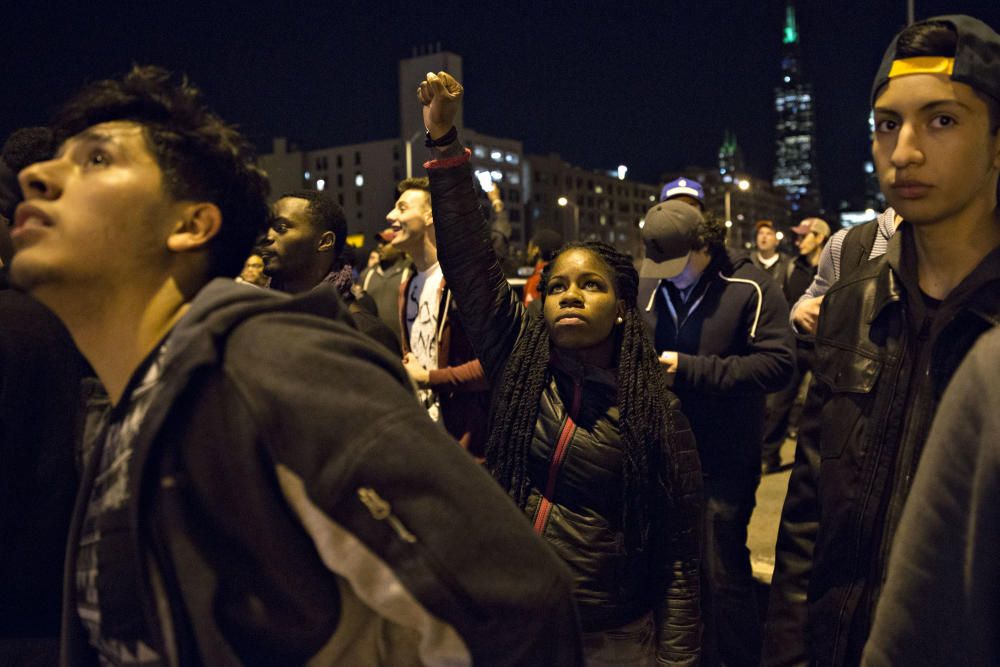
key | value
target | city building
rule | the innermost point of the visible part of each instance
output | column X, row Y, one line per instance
column 795, row 172
column 585, row 204
column 363, row 177
column 730, row 155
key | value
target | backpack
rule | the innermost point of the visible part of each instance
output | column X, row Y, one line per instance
column 857, row 246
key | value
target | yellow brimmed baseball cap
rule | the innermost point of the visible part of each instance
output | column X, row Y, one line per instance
column 976, row 61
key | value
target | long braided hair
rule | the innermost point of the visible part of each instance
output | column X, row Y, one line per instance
column 642, row 394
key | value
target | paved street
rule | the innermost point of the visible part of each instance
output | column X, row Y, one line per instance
column 764, row 522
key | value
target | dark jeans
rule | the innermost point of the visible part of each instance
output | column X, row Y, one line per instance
column 729, row 604
column 779, row 406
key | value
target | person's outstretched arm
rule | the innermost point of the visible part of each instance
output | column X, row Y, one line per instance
column 490, row 311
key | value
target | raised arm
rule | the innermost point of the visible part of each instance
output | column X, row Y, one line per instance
column 490, row 311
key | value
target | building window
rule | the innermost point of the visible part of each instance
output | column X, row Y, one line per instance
column 357, row 158
column 395, row 152
column 496, row 155
column 340, row 198
column 511, row 158
column 359, row 180
column 479, row 151
column 340, row 180
column 357, row 197
column 340, row 161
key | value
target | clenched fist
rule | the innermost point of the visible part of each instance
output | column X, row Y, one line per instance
column 440, row 94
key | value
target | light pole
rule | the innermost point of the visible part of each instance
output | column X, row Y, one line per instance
column 409, row 152
column 744, row 185
column 564, row 202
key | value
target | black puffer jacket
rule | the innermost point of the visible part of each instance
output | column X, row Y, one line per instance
column 575, row 461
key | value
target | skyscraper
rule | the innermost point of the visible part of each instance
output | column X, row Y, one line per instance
column 730, row 157
column 795, row 171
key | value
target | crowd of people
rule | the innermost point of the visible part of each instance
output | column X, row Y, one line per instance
column 415, row 464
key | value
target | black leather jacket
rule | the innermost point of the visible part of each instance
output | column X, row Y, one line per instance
column 581, row 515
column 882, row 364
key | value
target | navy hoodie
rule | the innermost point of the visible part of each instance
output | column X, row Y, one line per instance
column 734, row 346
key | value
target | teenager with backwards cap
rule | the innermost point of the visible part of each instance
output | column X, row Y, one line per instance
column 890, row 335
column 585, row 436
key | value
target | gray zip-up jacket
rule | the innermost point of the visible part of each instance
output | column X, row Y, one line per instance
column 291, row 503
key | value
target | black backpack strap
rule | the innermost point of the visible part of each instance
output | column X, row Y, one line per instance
column 857, row 246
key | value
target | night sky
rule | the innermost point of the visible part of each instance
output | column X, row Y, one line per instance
column 650, row 85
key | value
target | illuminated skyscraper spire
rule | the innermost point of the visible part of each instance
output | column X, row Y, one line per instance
column 795, row 137
column 791, row 29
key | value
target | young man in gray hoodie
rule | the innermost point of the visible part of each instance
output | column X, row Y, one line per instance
column 240, row 506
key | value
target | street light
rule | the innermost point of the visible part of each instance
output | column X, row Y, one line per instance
column 744, row 185
column 564, row 202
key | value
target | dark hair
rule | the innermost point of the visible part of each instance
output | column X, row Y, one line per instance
column 938, row 38
column 710, row 235
column 201, row 157
column 645, row 423
column 415, row 184
column 324, row 213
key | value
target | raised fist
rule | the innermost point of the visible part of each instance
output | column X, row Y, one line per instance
column 440, row 94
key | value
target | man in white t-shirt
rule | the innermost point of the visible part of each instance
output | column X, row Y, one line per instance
column 436, row 353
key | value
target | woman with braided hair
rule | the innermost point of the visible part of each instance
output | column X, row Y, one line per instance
column 585, row 435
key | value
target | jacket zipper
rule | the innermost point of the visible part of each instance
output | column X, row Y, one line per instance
column 558, row 456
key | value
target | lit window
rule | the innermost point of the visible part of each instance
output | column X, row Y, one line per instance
column 359, row 180
column 496, row 175
column 307, row 175
column 598, row 189
column 479, row 151
column 511, row 158
column 320, row 184
column 497, row 156
column 513, row 178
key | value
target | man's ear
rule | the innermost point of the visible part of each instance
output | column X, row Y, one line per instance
column 198, row 224
column 326, row 241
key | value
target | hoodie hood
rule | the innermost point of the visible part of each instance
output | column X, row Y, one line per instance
column 732, row 260
column 223, row 304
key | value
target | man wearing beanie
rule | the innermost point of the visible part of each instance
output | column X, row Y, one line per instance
column 720, row 327
column 890, row 335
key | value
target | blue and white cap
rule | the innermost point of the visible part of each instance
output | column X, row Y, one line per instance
column 683, row 186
